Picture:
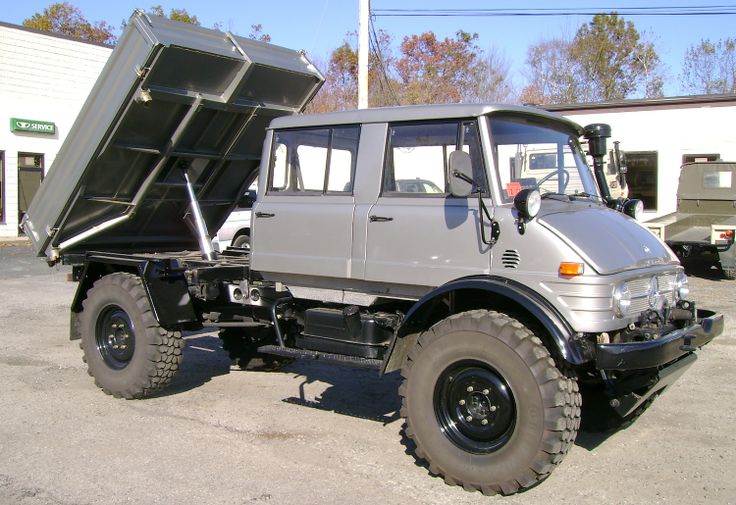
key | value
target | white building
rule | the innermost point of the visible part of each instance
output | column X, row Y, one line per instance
column 658, row 136
column 44, row 80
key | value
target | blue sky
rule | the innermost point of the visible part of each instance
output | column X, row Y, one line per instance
column 318, row 26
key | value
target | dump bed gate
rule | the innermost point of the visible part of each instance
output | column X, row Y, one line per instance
column 172, row 99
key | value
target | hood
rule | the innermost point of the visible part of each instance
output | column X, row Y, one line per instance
column 607, row 240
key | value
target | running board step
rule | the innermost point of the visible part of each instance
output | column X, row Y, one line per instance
column 340, row 359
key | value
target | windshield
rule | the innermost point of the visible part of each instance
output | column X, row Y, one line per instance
column 530, row 152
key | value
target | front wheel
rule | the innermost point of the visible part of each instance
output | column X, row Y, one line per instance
column 486, row 405
column 126, row 351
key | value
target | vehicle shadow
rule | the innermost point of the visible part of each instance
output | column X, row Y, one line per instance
column 352, row 392
column 705, row 272
column 203, row 359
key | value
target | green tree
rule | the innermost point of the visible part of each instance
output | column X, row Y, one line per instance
column 66, row 19
column 608, row 59
column 614, row 61
column 710, row 67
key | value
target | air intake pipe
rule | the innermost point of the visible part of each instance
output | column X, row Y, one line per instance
column 596, row 135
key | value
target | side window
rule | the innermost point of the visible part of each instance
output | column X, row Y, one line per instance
column 418, row 153
column 314, row 160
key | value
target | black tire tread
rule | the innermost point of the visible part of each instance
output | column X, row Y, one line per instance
column 562, row 397
column 168, row 344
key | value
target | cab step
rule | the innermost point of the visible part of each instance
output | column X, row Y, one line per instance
column 340, row 359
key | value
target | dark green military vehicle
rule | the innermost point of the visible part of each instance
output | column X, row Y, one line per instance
column 701, row 232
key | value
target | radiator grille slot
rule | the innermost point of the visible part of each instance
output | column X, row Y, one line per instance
column 510, row 258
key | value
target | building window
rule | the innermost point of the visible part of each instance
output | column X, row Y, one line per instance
column 2, row 186
column 30, row 175
column 642, row 177
column 700, row 158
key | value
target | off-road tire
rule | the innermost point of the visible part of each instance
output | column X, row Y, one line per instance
column 543, row 405
column 117, row 303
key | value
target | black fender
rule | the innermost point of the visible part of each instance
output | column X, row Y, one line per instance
column 164, row 282
column 504, row 292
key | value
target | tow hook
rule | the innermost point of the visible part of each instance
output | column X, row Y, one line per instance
column 687, row 345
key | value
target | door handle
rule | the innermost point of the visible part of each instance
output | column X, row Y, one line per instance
column 265, row 214
column 380, row 219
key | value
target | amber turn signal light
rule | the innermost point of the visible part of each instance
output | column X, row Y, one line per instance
column 571, row 269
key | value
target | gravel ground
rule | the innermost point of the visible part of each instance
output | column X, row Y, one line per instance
column 310, row 433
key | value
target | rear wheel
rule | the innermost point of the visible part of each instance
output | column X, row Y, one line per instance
column 486, row 405
column 126, row 351
column 242, row 241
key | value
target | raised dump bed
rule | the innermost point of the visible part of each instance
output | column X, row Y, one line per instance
column 173, row 99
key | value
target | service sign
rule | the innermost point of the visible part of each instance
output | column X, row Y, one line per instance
column 32, row 126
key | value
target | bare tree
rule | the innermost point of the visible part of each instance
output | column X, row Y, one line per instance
column 710, row 67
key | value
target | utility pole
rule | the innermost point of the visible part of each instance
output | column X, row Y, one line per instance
column 364, row 19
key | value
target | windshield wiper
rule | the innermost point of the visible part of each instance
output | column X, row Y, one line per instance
column 584, row 194
column 562, row 197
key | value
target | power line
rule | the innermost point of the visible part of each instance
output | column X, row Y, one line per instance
column 373, row 40
column 701, row 10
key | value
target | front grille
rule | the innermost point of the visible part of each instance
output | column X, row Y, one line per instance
column 640, row 290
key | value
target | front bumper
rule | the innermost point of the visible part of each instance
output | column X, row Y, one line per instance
column 659, row 352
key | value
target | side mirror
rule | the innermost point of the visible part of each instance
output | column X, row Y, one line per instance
column 460, row 176
column 247, row 200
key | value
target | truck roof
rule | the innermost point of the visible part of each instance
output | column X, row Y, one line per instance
column 412, row 113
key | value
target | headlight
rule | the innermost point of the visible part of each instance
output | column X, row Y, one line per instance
column 528, row 202
column 682, row 286
column 621, row 300
column 634, row 208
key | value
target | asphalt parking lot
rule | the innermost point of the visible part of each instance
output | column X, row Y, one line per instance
column 309, row 433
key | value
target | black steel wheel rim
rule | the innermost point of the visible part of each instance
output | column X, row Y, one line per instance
column 115, row 337
column 475, row 407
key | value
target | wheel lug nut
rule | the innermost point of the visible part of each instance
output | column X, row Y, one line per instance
column 484, row 422
column 469, row 418
column 462, row 402
column 493, row 408
column 470, row 389
column 485, row 391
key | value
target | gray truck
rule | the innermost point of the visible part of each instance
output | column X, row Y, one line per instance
column 701, row 231
column 396, row 239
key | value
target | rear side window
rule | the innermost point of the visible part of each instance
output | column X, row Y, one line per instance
column 418, row 153
column 314, row 160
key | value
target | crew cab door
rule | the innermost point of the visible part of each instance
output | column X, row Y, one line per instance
column 303, row 224
column 417, row 234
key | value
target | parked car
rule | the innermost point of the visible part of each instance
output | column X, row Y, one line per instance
column 235, row 232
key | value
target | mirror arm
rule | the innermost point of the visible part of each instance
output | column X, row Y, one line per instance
column 495, row 229
column 460, row 175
